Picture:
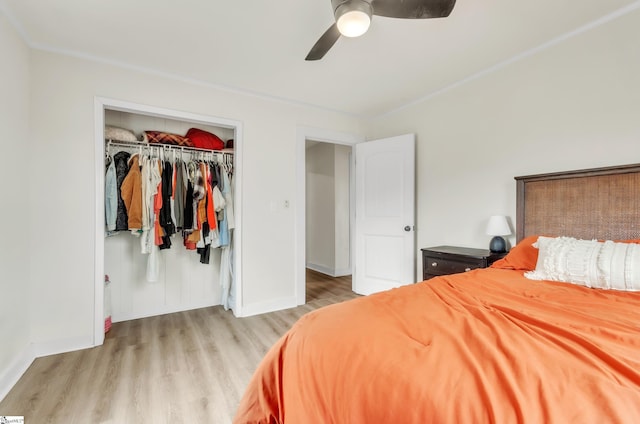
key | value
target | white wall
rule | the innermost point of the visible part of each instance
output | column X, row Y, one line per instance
column 327, row 208
column 342, row 169
column 320, row 210
column 62, row 96
column 573, row 106
column 14, row 181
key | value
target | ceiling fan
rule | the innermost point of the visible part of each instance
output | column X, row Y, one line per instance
column 354, row 16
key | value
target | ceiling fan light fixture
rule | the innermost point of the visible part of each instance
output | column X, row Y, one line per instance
column 353, row 17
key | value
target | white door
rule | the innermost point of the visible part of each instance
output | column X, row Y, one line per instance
column 385, row 213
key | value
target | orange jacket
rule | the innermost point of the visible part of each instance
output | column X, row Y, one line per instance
column 131, row 192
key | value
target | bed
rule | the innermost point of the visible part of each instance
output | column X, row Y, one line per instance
column 485, row 346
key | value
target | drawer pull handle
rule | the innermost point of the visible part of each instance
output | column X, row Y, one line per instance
column 434, row 264
column 467, row 269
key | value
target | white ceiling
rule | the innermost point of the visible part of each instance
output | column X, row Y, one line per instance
column 259, row 46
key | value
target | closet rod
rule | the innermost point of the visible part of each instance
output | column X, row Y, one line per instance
column 164, row 146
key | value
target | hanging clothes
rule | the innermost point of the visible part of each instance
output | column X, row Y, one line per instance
column 159, row 198
column 179, row 195
column 231, row 302
column 226, row 272
column 131, row 192
column 189, row 214
column 122, row 169
column 226, row 259
column 144, row 213
column 150, row 180
column 225, row 279
column 198, row 183
column 213, row 203
column 211, row 212
column 228, row 197
column 153, row 265
column 223, row 224
column 153, row 261
column 195, row 175
column 110, row 196
column 207, row 216
column 188, row 209
column 173, row 196
column 157, row 207
column 168, row 228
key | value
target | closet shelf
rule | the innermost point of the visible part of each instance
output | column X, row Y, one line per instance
column 169, row 147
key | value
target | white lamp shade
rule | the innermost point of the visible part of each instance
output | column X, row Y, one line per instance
column 498, row 226
column 353, row 23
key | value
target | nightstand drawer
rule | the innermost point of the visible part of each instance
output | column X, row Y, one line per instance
column 444, row 260
column 440, row 266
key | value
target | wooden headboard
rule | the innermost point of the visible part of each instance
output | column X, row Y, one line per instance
column 602, row 203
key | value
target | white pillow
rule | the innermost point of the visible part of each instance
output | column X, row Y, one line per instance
column 590, row 263
column 118, row 134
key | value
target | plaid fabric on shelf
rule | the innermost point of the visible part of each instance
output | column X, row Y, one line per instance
column 167, row 138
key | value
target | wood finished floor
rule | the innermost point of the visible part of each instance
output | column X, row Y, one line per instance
column 188, row 367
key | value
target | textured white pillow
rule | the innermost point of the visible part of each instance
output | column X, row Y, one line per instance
column 590, row 263
column 118, row 134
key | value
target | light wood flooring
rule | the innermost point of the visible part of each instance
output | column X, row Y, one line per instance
column 188, row 367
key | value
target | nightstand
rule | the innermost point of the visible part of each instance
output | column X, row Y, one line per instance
column 444, row 260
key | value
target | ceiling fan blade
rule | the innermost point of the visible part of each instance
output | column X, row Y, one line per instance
column 323, row 44
column 413, row 9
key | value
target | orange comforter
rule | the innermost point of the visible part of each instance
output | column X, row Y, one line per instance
column 487, row 346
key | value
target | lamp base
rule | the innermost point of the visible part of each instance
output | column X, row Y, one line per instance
column 498, row 245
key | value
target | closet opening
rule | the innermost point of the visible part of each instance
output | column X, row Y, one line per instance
column 200, row 265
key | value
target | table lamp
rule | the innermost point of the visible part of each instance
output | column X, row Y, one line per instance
column 498, row 227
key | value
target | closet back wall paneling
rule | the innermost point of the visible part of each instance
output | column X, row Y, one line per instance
column 184, row 283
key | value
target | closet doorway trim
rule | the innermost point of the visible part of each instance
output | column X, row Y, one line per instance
column 101, row 104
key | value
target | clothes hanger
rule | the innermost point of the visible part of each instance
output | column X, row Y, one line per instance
column 108, row 158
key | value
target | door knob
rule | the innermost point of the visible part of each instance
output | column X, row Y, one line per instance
column 407, row 228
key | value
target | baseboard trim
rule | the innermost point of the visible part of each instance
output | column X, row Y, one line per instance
column 147, row 314
column 31, row 352
column 55, row 347
column 332, row 272
column 342, row 272
column 268, row 306
column 10, row 376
